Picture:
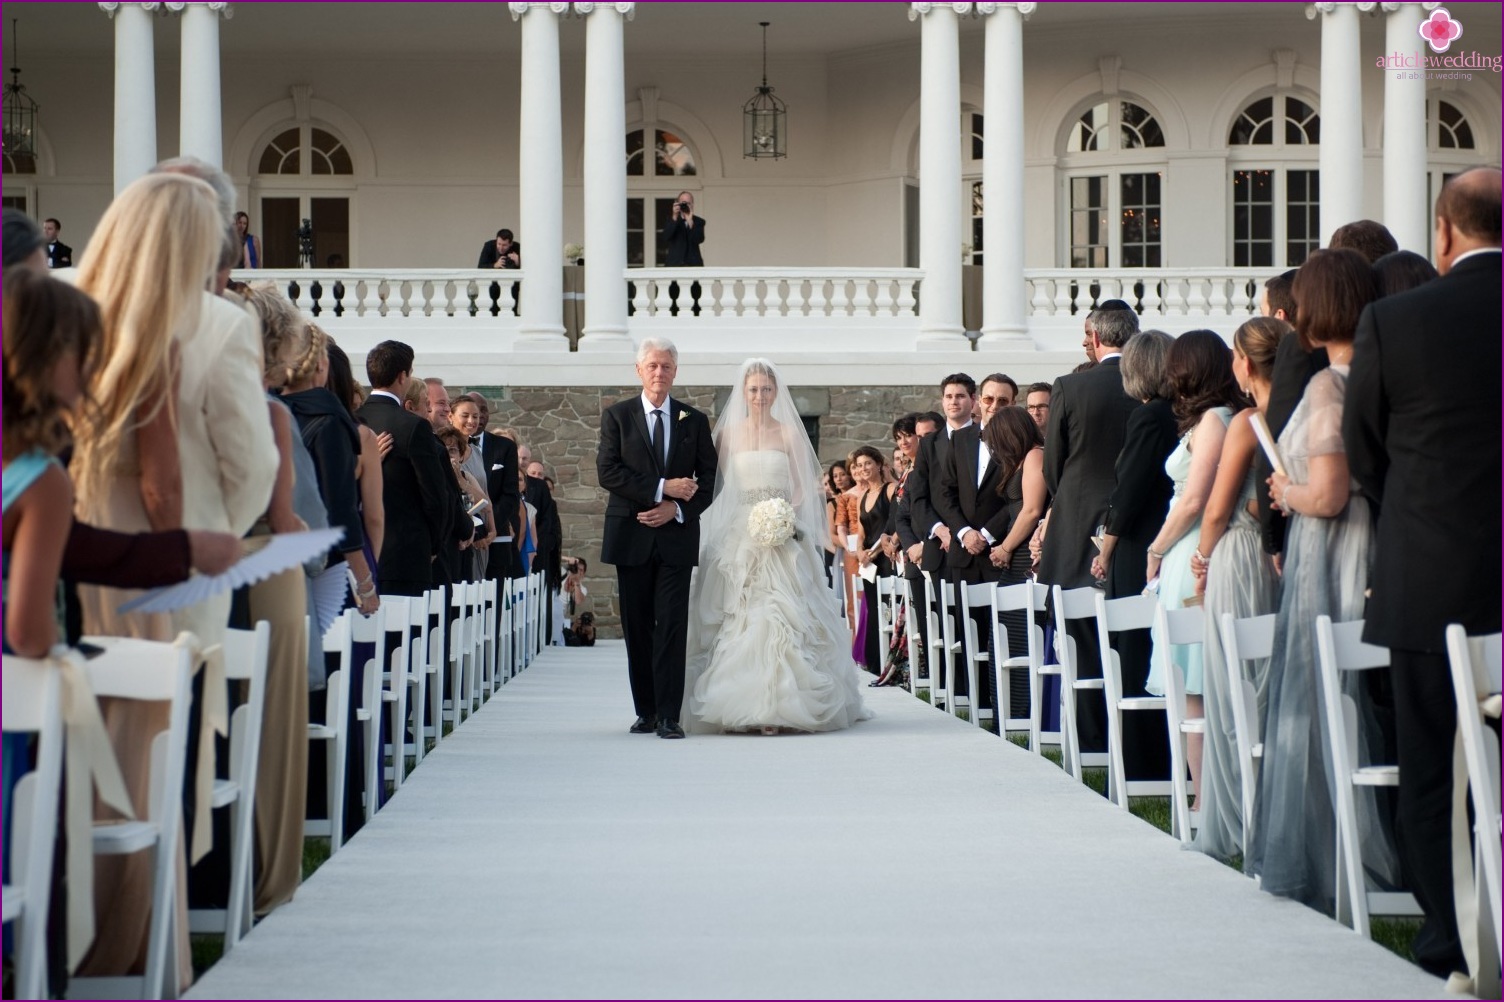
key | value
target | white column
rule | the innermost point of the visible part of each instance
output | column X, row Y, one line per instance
column 200, row 133
column 1005, row 321
column 1341, row 116
column 940, row 174
column 540, row 170
column 605, row 179
column 135, row 91
column 1405, row 210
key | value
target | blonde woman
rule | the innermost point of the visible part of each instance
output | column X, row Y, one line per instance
column 180, row 439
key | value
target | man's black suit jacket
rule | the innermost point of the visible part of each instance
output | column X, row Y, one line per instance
column 59, row 255
column 500, row 457
column 1140, row 499
column 489, row 254
column 414, row 494
column 962, row 504
column 1088, row 421
column 627, row 467
column 923, row 487
column 550, row 530
column 684, row 243
column 1421, row 426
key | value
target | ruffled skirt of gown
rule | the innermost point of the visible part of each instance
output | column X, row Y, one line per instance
column 767, row 647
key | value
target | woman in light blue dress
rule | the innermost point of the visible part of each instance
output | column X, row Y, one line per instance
column 1237, row 578
column 1206, row 395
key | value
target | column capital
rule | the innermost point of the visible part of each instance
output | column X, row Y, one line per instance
column 1390, row 8
column 519, row 9
column 918, row 10
column 111, row 8
column 1327, row 7
column 178, row 6
column 626, row 10
column 1024, row 9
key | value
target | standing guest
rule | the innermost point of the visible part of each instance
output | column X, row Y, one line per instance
column 1429, row 458
column 1298, row 360
column 837, row 482
column 457, row 447
column 1370, row 239
column 848, row 525
column 23, row 242
column 1206, row 396
column 1235, row 577
column 1088, row 422
column 1328, row 555
column 1037, row 403
column 413, row 497
column 415, row 399
column 910, row 535
column 341, row 382
column 1017, row 448
column 1402, row 271
column 438, row 402
column 498, row 455
column 872, row 518
column 1136, row 509
column 996, row 391
column 549, row 539
column 181, row 439
column 250, row 245
column 59, row 254
column 465, row 416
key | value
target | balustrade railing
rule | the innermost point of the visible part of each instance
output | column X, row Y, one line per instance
column 711, row 293
column 1153, row 292
column 370, row 294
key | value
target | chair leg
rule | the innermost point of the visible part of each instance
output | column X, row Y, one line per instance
column 1117, row 786
column 239, row 865
column 335, row 767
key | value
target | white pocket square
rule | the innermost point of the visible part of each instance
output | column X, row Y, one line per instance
column 497, row 466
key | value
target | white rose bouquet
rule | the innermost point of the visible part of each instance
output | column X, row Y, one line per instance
column 771, row 522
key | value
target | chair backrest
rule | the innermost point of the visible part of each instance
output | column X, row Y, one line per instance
column 154, row 672
column 1247, row 639
column 1070, row 603
column 1475, row 664
column 247, row 654
column 32, row 704
column 1176, row 626
column 1340, row 648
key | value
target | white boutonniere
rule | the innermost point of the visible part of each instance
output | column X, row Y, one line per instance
column 683, row 415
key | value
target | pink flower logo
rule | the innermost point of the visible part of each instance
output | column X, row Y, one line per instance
column 1440, row 30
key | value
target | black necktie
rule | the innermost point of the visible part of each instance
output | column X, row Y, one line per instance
column 658, row 437
column 475, row 440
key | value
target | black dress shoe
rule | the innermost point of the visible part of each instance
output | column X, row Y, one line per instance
column 670, row 729
column 644, row 725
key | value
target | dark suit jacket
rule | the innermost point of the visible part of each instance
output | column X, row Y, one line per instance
column 901, row 521
column 500, row 457
column 922, row 490
column 1293, row 369
column 628, row 469
column 59, row 255
column 1140, row 500
column 1421, row 426
column 962, row 504
column 550, row 530
column 415, row 494
column 456, row 527
column 684, row 243
column 1088, row 423
column 488, row 255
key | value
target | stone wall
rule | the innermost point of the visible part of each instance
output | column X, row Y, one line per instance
column 561, row 425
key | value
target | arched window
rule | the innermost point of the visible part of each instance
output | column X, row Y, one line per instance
column 304, row 171
column 20, row 163
column 972, row 150
column 1276, row 185
column 652, row 190
column 1453, row 146
column 1114, row 186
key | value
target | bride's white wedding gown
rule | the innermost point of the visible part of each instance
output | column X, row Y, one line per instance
column 768, row 647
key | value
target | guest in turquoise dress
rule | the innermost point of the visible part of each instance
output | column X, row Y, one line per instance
column 1205, row 396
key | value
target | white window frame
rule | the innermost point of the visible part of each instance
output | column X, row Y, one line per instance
column 1279, row 158
column 1111, row 163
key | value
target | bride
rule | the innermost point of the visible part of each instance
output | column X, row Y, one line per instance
column 767, row 646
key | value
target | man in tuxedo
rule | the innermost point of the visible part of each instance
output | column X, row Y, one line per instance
column 958, row 393
column 550, row 540
column 658, row 461
column 59, row 254
column 682, row 238
column 413, row 477
column 499, row 454
column 1422, row 435
column 501, row 253
column 1088, row 417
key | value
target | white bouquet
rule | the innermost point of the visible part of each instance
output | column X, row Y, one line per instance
column 771, row 522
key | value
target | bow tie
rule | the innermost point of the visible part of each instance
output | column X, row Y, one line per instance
column 475, row 439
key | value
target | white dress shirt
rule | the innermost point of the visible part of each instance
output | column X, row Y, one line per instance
column 667, row 409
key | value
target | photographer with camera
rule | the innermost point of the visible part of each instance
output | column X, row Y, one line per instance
column 682, row 237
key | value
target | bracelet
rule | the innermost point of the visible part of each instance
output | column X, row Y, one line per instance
column 1284, row 499
column 1198, row 555
column 1156, row 556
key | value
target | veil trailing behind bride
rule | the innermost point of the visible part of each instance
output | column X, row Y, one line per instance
column 768, row 647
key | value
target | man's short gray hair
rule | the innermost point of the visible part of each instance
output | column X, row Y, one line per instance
column 223, row 187
column 649, row 345
column 1113, row 327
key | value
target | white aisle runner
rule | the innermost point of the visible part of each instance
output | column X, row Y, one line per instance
column 545, row 852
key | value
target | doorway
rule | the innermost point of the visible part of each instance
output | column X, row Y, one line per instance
column 281, row 217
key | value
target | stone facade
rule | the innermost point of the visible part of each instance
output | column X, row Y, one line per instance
column 561, row 424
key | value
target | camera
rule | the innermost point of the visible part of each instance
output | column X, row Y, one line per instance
column 684, row 207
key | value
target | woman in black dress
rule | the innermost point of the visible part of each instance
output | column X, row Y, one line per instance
column 872, row 511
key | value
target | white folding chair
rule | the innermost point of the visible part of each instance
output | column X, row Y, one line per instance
column 913, row 609
column 974, row 652
column 371, row 630
column 334, row 734
column 519, row 625
column 1340, row 648
column 32, row 704
column 1475, row 663
column 1032, row 598
column 1248, row 639
column 151, row 672
column 490, row 619
column 1115, row 615
column 1074, row 604
column 480, row 673
column 246, row 653
column 461, row 656
column 436, row 666
column 1020, row 598
column 1179, row 626
column 887, row 588
column 937, row 650
column 402, row 675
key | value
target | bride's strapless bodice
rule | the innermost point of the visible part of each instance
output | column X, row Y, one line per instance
column 760, row 475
